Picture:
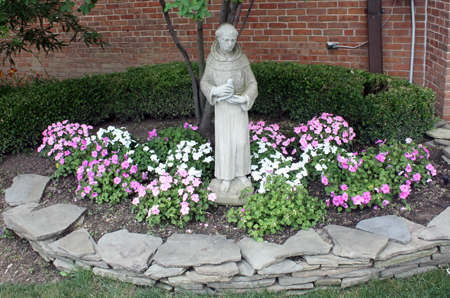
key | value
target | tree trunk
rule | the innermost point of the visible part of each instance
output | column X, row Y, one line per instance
column 201, row 63
column 246, row 17
column 233, row 9
column 236, row 19
column 224, row 11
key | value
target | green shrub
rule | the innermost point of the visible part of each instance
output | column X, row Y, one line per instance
column 377, row 106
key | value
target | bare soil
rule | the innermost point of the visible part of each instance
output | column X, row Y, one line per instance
column 19, row 263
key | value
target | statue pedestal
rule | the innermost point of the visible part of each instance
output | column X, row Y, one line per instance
column 231, row 196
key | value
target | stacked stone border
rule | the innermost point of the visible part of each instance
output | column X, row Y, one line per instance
column 378, row 248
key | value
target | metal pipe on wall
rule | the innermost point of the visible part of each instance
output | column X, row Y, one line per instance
column 413, row 40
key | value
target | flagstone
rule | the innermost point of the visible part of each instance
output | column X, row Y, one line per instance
column 439, row 133
column 277, row 287
column 259, row 255
column 156, row 271
column 438, row 228
column 290, row 280
column 351, row 281
column 195, row 277
column 186, row 250
column 440, row 142
column 303, row 243
column 390, row 226
column 245, row 268
column 285, row 267
column 78, row 244
column 355, row 244
column 333, row 260
column 404, row 258
column 225, row 269
column 26, row 188
column 414, row 272
column 391, row 271
column 243, row 284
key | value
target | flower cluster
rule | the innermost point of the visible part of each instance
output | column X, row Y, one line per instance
column 270, row 134
column 324, row 129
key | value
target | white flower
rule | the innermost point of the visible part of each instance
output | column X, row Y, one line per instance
column 150, row 168
column 178, row 156
column 170, row 164
column 318, row 167
column 408, row 140
column 192, row 143
column 153, row 157
column 194, row 172
column 208, row 159
column 131, row 152
column 170, row 158
column 197, row 156
column 185, row 157
column 145, row 148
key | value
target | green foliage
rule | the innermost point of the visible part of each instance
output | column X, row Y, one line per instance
column 196, row 9
column 279, row 207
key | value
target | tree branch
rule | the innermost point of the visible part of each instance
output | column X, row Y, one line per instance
column 233, row 9
column 246, row 17
column 236, row 20
column 224, row 10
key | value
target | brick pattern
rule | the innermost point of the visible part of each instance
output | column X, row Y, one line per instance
column 278, row 30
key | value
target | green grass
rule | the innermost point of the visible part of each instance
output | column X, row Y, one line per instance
column 433, row 284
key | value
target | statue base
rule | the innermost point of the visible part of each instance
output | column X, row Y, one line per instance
column 233, row 195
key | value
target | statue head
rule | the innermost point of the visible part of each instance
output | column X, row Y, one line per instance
column 227, row 37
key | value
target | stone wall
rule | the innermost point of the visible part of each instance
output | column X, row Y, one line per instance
column 276, row 30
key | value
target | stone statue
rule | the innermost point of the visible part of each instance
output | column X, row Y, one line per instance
column 230, row 86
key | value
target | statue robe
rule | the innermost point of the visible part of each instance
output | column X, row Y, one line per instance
column 232, row 150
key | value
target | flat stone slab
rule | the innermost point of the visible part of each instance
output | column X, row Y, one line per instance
column 16, row 211
column 259, row 254
column 157, row 272
column 446, row 151
column 438, row 228
column 225, row 269
column 394, row 249
column 351, row 281
column 47, row 223
column 389, row 226
column 285, row 267
column 243, row 284
column 355, row 244
column 440, row 124
column 128, row 251
column 402, row 259
column 414, row 272
column 304, row 243
column 232, row 195
column 186, row 250
column 245, row 268
column 78, row 244
column 330, row 260
column 440, row 142
column 439, row 133
column 26, row 188
column 195, row 277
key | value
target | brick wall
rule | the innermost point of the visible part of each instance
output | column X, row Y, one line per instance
column 280, row 30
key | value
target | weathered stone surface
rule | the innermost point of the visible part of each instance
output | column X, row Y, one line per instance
column 205, row 291
column 26, row 188
column 22, row 209
column 446, row 151
column 243, row 284
column 47, row 223
column 195, row 277
column 440, row 142
column 404, row 258
column 249, row 278
column 440, row 124
column 446, row 159
column 371, row 272
column 83, row 265
column 414, row 272
column 78, row 244
column 351, row 281
column 389, row 226
column 67, row 267
column 415, row 261
column 140, row 281
column 128, row 251
column 285, row 267
column 435, row 262
column 290, row 280
column 355, row 244
column 245, row 268
column 303, row 243
column 110, row 273
column 430, row 144
column 439, row 227
column 185, row 250
column 225, row 269
column 394, row 249
column 157, row 272
column 328, row 281
column 444, row 249
column 389, row 272
column 439, row 133
column 440, row 256
column 324, row 271
column 259, row 255
column 37, row 248
column 276, row 287
column 232, row 196
column 307, row 267
column 163, row 286
column 332, row 260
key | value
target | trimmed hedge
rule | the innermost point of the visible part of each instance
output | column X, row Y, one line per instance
column 377, row 106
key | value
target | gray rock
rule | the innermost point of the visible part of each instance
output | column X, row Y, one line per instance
column 444, row 249
column 83, row 265
column 391, row 271
column 285, row 267
column 157, row 272
column 186, row 250
column 140, row 281
column 308, row 267
column 67, row 267
column 389, row 226
column 22, row 209
column 195, row 277
column 259, row 255
column 351, row 281
column 371, row 272
column 440, row 124
column 430, row 144
column 446, row 126
column 439, row 133
column 99, row 264
column 303, row 243
column 78, row 244
column 225, row 269
column 355, row 244
column 26, row 188
column 249, row 278
column 438, row 228
column 183, row 281
column 440, row 142
column 243, row 284
column 163, row 286
column 128, row 251
column 276, row 287
column 245, row 268
column 37, row 248
column 446, row 151
column 414, row 272
column 47, row 223
column 440, row 256
column 404, row 258
column 110, row 273
column 435, row 262
column 446, row 159
column 233, row 196
column 290, row 280
column 332, row 260
column 324, row 271
column 415, row 261
column 328, row 281
column 394, row 249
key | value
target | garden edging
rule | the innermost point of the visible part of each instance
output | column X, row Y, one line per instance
column 381, row 247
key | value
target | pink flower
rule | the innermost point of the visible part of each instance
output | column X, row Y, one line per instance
column 155, row 209
column 194, row 127
column 367, row 197
column 264, row 139
column 404, row 195
column 404, row 188
column 417, row 177
column 324, row 180
column 135, row 201
column 125, row 175
column 195, row 198
column 94, row 195
column 344, row 187
column 380, row 157
column 189, row 231
column 87, row 189
column 385, row 188
column 186, row 125
column 328, row 202
column 115, row 159
column 94, row 154
column 385, row 202
column 274, row 145
column 184, row 208
column 190, row 189
column 117, row 180
column 408, row 168
column 212, row 197
column 357, row 200
column 375, row 207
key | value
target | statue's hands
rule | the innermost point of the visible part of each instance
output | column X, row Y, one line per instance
column 237, row 99
column 223, row 92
